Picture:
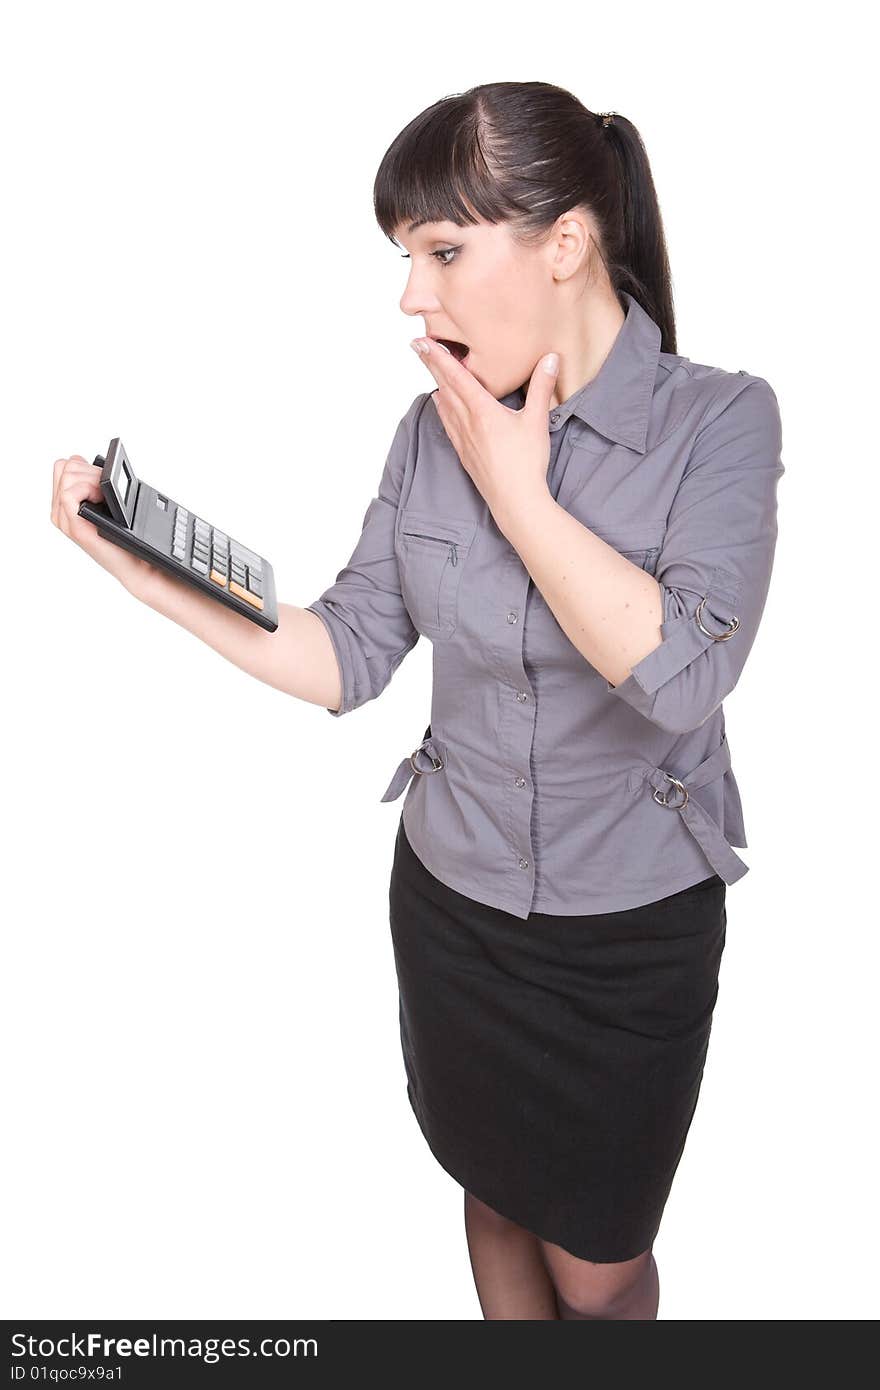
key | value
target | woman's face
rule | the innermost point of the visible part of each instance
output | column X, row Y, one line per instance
column 474, row 284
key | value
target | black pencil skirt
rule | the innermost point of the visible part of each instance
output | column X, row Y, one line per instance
column 554, row 1064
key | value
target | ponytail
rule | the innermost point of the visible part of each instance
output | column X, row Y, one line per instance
column 642, row 263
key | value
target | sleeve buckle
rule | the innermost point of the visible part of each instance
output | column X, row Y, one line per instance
column 716, row 636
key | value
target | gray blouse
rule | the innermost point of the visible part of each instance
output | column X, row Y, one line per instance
column 539, row 786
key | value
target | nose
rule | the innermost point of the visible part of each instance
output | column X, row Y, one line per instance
column 418, row 298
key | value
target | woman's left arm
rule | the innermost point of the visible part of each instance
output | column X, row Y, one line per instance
column 673, row 647
column 609, row 608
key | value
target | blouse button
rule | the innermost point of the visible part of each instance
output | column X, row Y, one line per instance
column 555, row 417
column 520, row 782
column 523, row 863
column 521, row 696
column 511, row 617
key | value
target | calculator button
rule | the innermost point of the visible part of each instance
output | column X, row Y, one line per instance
column 199, row 565
column 253, row 599
column 218, row 578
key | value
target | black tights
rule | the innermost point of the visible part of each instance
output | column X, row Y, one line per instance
column 518, row 1275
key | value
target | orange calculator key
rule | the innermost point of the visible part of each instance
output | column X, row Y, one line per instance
column 248, row 597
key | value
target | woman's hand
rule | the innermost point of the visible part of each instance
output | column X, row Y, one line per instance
column 506, row 452
column 73, row 481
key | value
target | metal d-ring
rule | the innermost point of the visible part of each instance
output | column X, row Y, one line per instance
column 720, row 636
column 438, row 762
column 663, row 799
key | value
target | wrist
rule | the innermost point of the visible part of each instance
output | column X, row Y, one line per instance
column 143, row 583
column 520, row 512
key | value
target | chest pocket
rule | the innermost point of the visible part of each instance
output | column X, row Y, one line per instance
column 432, row 555
column 638, row 542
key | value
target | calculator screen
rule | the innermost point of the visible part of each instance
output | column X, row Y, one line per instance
column 124, row 482
column 119, row 483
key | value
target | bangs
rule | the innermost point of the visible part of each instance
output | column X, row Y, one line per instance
column 436, row 171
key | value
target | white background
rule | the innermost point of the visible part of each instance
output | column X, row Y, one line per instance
column 204, row 1091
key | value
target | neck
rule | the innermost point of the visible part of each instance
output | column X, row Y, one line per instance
column 591, row 340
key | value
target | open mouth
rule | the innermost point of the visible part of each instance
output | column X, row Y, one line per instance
column 458, row 350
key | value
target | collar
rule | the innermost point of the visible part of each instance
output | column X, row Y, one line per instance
column 617, row 402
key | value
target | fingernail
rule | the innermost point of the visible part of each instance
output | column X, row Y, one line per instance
column 418, row 345
column 551, row 363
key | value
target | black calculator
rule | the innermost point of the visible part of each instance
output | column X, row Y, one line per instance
column 154, row 527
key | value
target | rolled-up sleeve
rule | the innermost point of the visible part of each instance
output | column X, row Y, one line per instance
column 715, row 564
column 363, row 611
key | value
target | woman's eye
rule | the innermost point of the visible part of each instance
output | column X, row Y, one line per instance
column 451, row 251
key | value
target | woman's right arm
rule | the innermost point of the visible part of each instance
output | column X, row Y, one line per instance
column 297, row 658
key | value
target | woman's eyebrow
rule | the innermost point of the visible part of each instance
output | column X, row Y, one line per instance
column 436, row 236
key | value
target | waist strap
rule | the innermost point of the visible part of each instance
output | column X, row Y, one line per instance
column 670, row 792
column 428, row 757
column 674, row 793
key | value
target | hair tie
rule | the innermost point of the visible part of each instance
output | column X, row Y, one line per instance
column 606, row 116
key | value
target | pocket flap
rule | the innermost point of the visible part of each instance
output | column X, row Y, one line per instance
column 430, row 526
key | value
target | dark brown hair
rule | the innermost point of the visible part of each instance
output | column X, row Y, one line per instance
column 524, row 153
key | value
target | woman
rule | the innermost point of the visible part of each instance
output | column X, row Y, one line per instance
column 583, row 524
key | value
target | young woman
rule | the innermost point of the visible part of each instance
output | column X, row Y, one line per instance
column 583, row 523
